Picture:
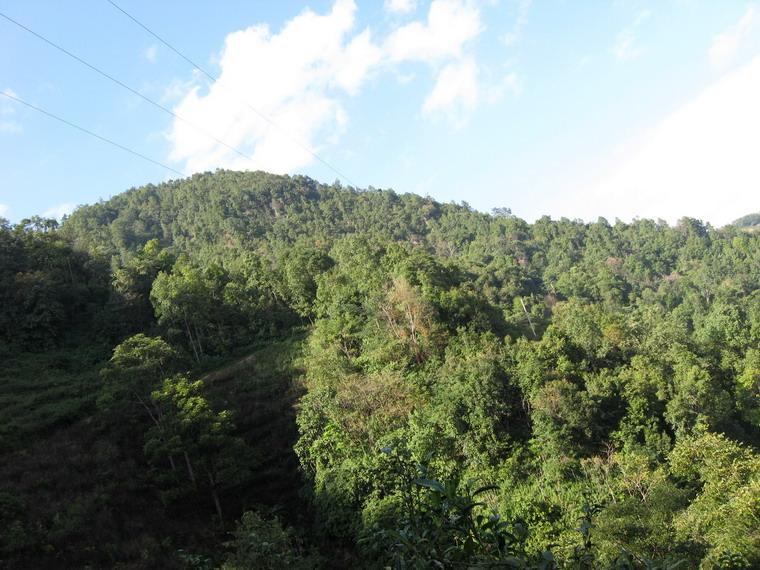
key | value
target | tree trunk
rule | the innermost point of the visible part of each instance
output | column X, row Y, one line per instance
column 215, row 496
column 198, row 340
column 190, row 471
column 154, row 418
column 527, row 314
column 190, row 338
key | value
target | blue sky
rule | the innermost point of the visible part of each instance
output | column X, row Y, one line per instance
column 579, row 109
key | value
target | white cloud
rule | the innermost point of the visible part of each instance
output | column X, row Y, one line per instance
column 3, row 210
column 700, row 161
column 177, row 89
column 151, row 53
column 510, row 83
column 293, row 77
column 456, row 88
column 459, row 89
column 441, row 42
column 59, row 211
column 513, row 36
column 725, row 45
column 400, row 6
column 450, row 25
column 298, row 78
column 353, row 64
column 627, row 44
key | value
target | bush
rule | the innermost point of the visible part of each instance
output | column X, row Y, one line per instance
column 263, row 543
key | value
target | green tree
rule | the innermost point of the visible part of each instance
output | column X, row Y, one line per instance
column 215, row 457
column 182, row 299
column 724, row 514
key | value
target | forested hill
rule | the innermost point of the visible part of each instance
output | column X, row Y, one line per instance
column 748, row 221
column 227, row 211
column 243, row 370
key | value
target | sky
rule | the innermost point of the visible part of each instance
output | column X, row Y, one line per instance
column 619, row 109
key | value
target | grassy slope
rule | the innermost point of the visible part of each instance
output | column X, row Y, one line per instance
column 70, row 495
column 41, row 392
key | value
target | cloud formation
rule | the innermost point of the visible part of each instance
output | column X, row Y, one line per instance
column 400, row 6
column 3, row 210
column 627, row 45
column 513, row 36
column 450, row 25
column 726, row 44
column 457, row 85
column 297, row 80
column 151, row 53
column 700, row 161
column 58, row 211
column 290, row 78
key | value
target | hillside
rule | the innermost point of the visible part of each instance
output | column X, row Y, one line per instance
column 244, row 370
column 748, row 221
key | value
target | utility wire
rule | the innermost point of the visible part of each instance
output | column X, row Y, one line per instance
column 124, row 85
column 240, row 100
column 97, row 136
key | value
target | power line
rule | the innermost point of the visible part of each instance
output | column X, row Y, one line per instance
column 162, row 40
column 97, row 136
column 240, row 100
column 124, row 85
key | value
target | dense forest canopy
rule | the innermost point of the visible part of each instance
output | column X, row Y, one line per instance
column 244, row 370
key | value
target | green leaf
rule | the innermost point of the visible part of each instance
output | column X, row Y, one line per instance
column 430, row 484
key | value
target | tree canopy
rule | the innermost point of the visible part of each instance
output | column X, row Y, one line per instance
column 370, row 379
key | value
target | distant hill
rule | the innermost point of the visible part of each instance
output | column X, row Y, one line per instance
column 748, row 221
